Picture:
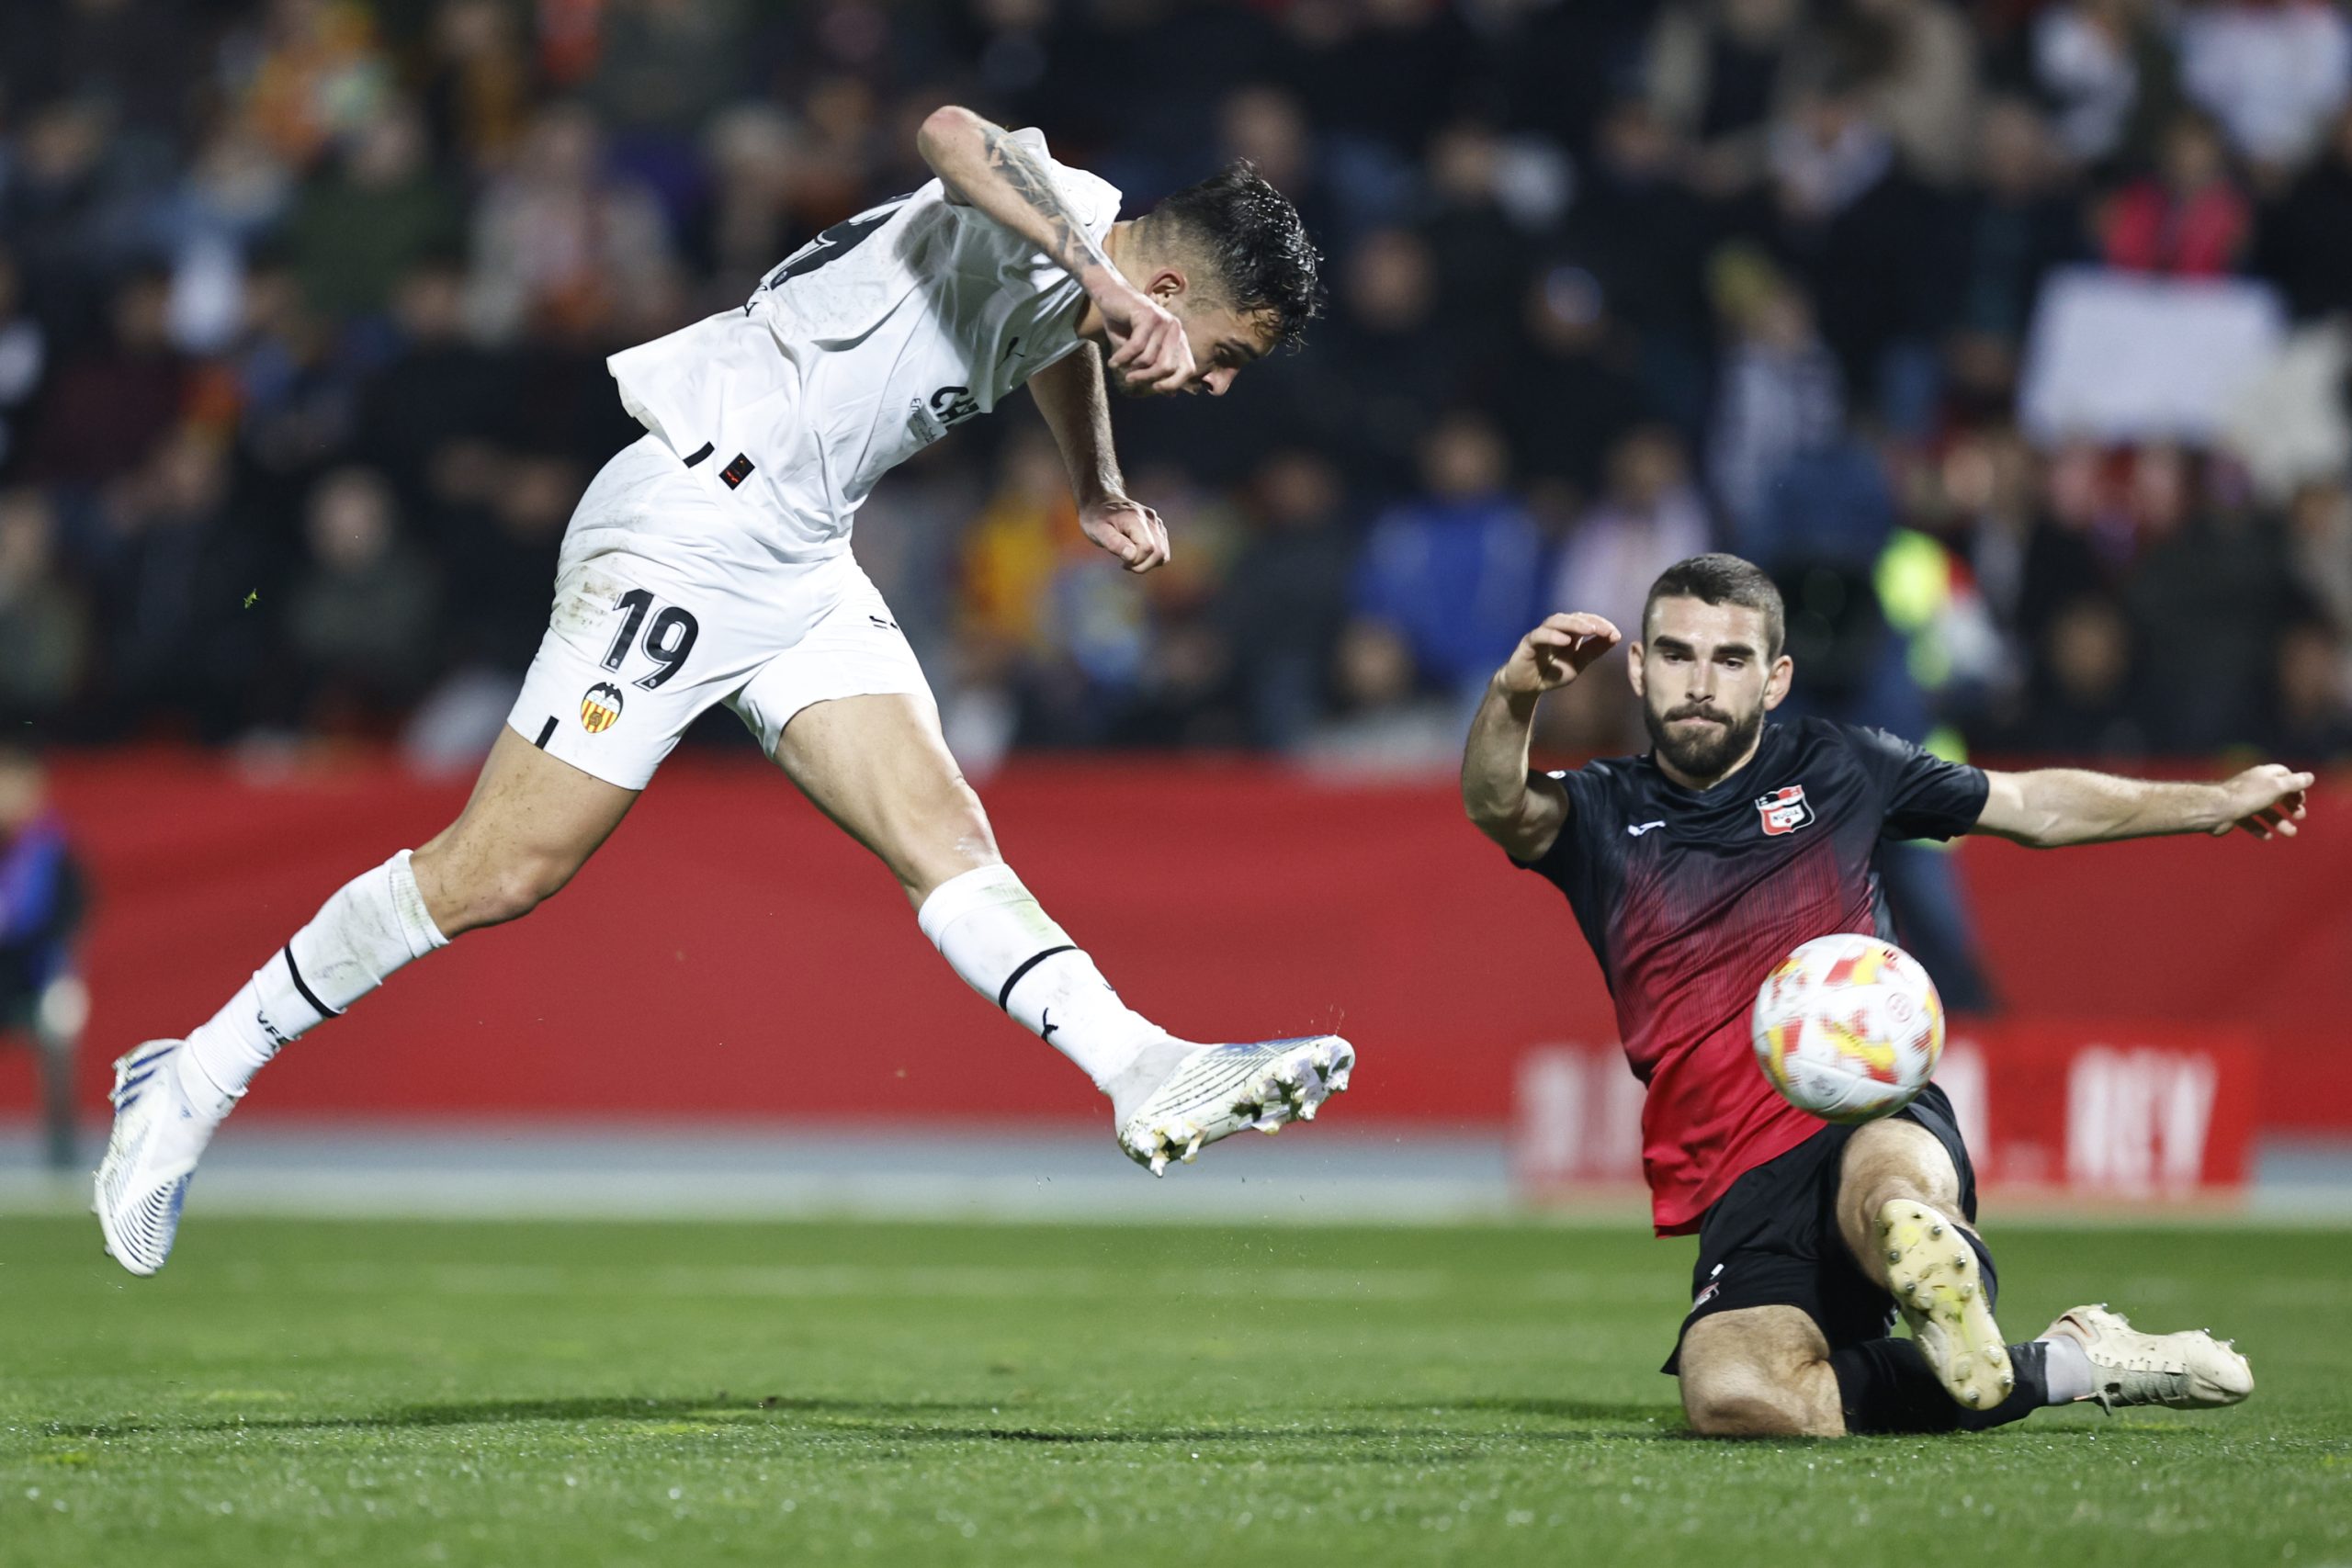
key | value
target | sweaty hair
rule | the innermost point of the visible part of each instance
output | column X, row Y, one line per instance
column 1717, row 578
column 1251, row 236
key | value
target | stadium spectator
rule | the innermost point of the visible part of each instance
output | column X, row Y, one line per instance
column 1719, row 73
column 105, row 410
column 2311, row 715
column 1285, row 598
column 2214, row 560
column 2086, row 695
column 2304, row 240
column 354, row 229
column 251, row 242
column 1917, row 62
column 1452, row 572
column 362, row 611
column 1650, row 517
column 1781, row 393
column 24, row 359
column 2108, row 70
column 2189, row 219
column 1580, row 393
column 44, row 897
column 44, row 628
column 2016, row 223
column 562, row 246
column 475, row 85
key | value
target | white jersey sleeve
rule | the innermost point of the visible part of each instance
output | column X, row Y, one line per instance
column 859, row 349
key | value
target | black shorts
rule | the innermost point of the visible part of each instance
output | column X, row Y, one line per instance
column 1773, row 1239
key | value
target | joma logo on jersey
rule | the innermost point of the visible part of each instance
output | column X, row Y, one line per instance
column 600, row 707
column 1784, row 810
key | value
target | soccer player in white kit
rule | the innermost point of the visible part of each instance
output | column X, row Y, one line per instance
column 709, row 562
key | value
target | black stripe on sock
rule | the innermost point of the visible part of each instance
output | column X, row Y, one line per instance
column 547, row 733
column 707, row 450
column 303, row 986
column 1028, row 963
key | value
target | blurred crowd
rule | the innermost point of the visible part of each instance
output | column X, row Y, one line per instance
column 304, row 303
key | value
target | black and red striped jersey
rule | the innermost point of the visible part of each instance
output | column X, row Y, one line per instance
column 1689, row 899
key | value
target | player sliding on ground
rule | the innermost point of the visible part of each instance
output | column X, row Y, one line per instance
column 710, row 563
column 1691, row 877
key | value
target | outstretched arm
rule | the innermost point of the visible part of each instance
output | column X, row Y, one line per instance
column 983, row 167
column 1525, row 816
column 1077, row 407
column 2067, row 806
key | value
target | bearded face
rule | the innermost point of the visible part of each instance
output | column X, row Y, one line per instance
column 1707, row 676
column 1703, row 740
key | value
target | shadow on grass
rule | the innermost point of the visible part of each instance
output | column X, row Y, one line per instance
column 902, row 1422
column 508, row 1411
column 1615, row 1413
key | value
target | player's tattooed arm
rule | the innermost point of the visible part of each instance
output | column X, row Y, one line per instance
column 1523, row 815
column 983, row 167
column 2054, row 806
column 1070, row 393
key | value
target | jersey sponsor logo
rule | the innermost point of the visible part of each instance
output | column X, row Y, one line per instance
column 1784, row 810
column 600, row 707
column 953, row 404
column 1636, row 829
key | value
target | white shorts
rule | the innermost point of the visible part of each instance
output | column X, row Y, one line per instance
column 660, row 611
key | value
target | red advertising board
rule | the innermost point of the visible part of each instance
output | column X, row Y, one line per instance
column 2095, row 1109
column 731, row 954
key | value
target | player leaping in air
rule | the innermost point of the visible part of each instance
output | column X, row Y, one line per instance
column 710, row 562
column 1810, row 1236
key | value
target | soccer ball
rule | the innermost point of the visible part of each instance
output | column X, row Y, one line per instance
column 1849, row 1027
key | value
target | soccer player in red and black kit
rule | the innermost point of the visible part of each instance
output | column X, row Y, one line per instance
column 1696, row 867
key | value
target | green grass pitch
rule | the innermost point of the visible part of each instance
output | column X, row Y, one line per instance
column 567, row 1393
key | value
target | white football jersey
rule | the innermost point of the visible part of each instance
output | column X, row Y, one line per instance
column 857, row 351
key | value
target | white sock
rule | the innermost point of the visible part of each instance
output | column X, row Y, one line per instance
column 373, row 925
column 2066, row 1368
column 986, row 924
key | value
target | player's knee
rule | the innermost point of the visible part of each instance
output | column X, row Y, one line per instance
column 947, row 836
column 523, row 882
column 468, row 894
column 1751, row 1410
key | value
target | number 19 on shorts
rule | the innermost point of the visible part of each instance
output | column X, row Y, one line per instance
column 668, row 641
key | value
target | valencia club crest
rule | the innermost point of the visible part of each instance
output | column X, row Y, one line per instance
column 600, row 707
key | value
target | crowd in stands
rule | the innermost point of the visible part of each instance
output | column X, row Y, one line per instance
column 305, row 305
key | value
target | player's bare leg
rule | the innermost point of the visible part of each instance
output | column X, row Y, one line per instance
column 531, row 823
column 1759, row 1372
column 877, row 765
column 1899, row 1210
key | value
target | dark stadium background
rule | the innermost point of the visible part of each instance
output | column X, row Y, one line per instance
column 303, row 306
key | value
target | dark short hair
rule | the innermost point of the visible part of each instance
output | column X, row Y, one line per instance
column 1717, row 578
column 1251, row 233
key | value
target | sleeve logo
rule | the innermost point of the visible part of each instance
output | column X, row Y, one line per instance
column 1784, row 810
column 600, row 707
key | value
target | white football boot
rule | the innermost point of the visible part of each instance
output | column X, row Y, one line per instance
column 1177, row 1098
column 2188, row 1370
column 1939, row 1286
column 161, row 1125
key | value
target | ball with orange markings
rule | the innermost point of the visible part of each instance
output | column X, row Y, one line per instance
column 1847, row 1027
